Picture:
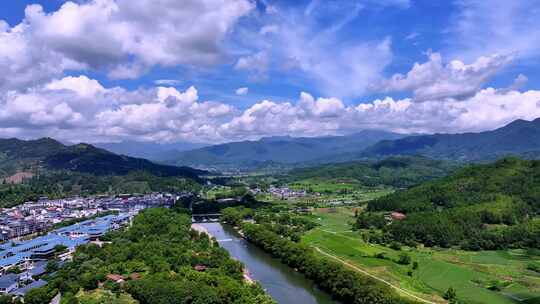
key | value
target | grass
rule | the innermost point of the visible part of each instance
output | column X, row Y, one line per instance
column 470, row 273
column 349, row 191
column 101, row 296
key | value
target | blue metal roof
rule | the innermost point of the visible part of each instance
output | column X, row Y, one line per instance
column 25, row 289
column 12, row 253
column 8, row 280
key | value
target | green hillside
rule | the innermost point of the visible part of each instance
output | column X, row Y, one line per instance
column 492, row 206
column 48, row 154
column 399, row 172
column 517, row 138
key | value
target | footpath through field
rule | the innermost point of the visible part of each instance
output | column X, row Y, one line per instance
column 373, row 276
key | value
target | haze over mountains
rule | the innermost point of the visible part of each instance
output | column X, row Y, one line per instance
column 517, row 138
column 149, row 150
column 287, row 150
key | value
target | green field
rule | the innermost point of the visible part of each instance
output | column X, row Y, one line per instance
column 470, row 273
column 100, row 296
column 344, row 190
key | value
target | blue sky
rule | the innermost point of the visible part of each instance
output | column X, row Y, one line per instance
column 111, row 70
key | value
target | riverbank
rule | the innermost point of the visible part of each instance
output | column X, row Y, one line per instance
column 200, row 228
column 277, row 279
column 245, row 272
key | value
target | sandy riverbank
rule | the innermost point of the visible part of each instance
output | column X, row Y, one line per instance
column 200, row 228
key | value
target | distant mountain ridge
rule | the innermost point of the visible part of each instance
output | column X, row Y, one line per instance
column 149, row 150
column 47, row 153
column 280, row 149
column 520, row 137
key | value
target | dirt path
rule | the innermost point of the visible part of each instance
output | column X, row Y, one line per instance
column 373, row 276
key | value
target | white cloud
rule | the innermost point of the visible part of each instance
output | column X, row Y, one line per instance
column 436, row 80
column 311, row 47
column 167, row 82
column 36, row 99
column 412, row 36
column 257, row 62
column 242, row 91
column 519, row 82
column 121, row 37
column 81, row 85
column 492, row 26
column 79, row 108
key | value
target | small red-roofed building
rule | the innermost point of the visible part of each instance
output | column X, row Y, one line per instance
column 117, row 278
column 398, row 216
column 200, row 268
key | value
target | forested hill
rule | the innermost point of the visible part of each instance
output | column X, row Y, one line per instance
column 284, row 149
column 49, row 154
column 521, row 138
column 400, row 171
column 481, row 206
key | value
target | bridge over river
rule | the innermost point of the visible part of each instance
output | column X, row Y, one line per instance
column 206, row 217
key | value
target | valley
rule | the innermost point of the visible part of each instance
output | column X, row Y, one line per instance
column 398, row 228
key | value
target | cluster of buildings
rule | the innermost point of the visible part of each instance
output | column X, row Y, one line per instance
column 23, row 260
column 285, row 193
column 37, row 217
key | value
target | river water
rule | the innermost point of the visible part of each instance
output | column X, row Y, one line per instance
column 280, row 281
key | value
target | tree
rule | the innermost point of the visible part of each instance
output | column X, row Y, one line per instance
column 404, row 259
column 450, row 295
column 37, row 296
column 415, row 265
column 52, row 266
column 5, row 299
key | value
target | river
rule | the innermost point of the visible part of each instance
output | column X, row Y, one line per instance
column 280, row 281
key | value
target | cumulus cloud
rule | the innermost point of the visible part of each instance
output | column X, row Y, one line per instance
column 436, row 80
column 80, row 108
column 37, row 99
column 242, row 91
column 131, row 37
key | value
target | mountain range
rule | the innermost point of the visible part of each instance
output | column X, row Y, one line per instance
column 149, row 150
column 48, row 154
column 520, row 138
column 282, row 149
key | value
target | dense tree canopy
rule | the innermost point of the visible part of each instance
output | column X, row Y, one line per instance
column 480, row 207
column 402, row 171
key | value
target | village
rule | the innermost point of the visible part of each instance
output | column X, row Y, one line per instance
column 36, row 234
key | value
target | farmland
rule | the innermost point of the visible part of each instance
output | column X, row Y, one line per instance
column 478, row 277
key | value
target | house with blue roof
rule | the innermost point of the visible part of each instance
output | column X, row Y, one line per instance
column 21, row 253
column 8, row 283
column 21, row 292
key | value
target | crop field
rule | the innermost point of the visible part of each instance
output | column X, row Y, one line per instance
column 478, row 277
